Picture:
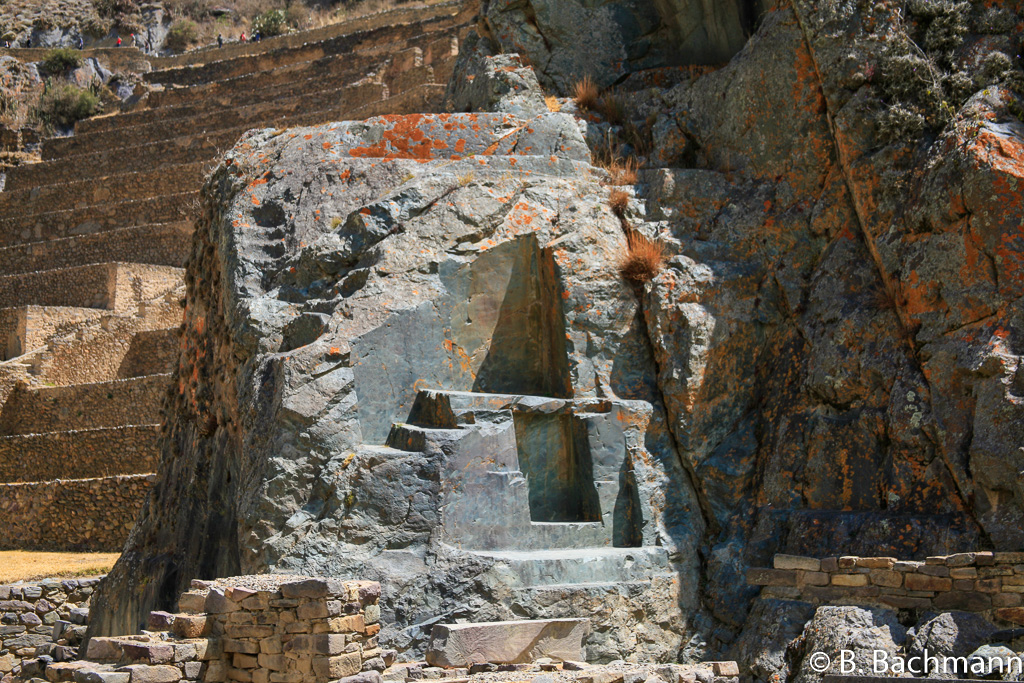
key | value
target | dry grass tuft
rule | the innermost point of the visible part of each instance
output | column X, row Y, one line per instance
column 19, row 565
column 585, row 92
column 614, row 109
column 618, row 201
column 553, row 103
column 644, row 258
column 623, row 172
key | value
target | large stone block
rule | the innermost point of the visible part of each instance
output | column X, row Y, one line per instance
column 145, row 673
column 507, row 642
column 313, row 588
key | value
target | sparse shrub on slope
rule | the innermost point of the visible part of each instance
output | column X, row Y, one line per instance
column 618, row 201
column 125, row 14
column 62, row 59
column 61, row 105
column 585, row 93
column 272, row 23
column 921, row 81
column 182, row 34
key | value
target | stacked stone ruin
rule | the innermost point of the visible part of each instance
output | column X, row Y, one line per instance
column 93, row 241
column 268, row 629
column 990, row 583
column 48, row 618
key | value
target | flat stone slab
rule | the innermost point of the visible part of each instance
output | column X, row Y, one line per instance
column 507, row 642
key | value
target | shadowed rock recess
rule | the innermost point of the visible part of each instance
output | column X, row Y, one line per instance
column 408, row 355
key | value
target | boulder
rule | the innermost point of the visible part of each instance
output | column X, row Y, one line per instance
column 835, row 629
column 949, row 634
column 995, row 661
column 771, row 628
column 507, row 642
column 501, row 82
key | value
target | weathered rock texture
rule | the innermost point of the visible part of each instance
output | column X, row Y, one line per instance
column 507, row 642
column 345, row 270
column 831, row 359
column 625, row 36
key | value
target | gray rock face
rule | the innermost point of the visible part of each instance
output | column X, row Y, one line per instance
column 823, row 370
column 569, row 39
column 392, row 328
column 493, row 83
column 994, row 661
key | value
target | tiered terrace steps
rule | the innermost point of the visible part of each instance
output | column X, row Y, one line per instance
column 93, row 241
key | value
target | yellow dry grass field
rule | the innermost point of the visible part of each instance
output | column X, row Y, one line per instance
column 19, row 565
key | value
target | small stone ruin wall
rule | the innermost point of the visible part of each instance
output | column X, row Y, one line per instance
column 98, row 513
column 265, row 629
column 49, row 615
column 990, row 583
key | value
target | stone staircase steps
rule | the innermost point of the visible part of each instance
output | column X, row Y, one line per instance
column 581, row 566
column 25, row 328
column 135, row 401
column 413, row 438
column 122, row 187
column 80, row 454
column 164, row 244
column 109, row 286
column 49, row 225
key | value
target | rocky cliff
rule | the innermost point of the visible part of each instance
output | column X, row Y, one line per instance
column 829, row 363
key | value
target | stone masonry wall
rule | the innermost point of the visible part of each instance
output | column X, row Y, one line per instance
column 78, row 454
column 121, row 187
column 113, row 58
column 991, row 583
column 34, row 615
column 93, row 219
column 84, row 406
column 97, row 513
column 28, row 328
column 263, row 629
